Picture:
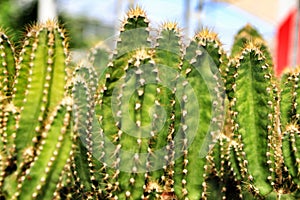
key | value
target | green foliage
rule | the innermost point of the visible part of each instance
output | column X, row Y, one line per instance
column 16, row 15
column 84, row 32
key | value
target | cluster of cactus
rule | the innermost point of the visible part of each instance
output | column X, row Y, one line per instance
column 156, row 118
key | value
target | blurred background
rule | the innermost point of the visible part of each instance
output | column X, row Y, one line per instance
column 90, row 21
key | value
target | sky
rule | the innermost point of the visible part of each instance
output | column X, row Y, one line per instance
column 223, row 18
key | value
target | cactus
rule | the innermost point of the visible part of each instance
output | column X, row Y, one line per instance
column 258, row 124
column 40, row 180
column 289, row 117
column 289, row 99
column 42, row 60
column 201, row 55
column 290, row 153
column 85, row 166
column 36, row 114
column 7, row 67
column 269, row 177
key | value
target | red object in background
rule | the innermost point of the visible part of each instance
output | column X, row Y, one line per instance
column 286, row 43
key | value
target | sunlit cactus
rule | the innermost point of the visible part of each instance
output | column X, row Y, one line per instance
column 289, row 117
column 40, row 80
column 256, row 110
column 7, row 113
column 8, row 68
column 35, row 114
column 253, row 89
column 40, row 180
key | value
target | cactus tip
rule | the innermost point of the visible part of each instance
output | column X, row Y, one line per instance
column 136, row 11
column 171, row 26
column 208, row 34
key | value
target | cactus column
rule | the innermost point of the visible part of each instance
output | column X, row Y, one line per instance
column 40, row 122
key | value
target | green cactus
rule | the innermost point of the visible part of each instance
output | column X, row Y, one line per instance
column 258, row 141
column 35, row 114
column 253, row 81
column 229, row 168
column 86, row 168
column 7, row 68
column 99, row 57
column 289, row 101
column 41, row 61
column 290, row 147
column 245, row 35
column 41, row 178
column 289, row 117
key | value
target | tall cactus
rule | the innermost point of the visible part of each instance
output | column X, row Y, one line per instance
column 201, row 64
column 114, row 118
column 36, row 119
column 86, row 168
column 289, row 116
column 41, row 178
column 268, row 176
column 7, row 71
column 252, row 90
column 8, row 67
column 40, row 80
column 89, row 130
